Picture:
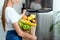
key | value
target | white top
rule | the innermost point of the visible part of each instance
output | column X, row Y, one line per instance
column 11, row 17
column 35, row 6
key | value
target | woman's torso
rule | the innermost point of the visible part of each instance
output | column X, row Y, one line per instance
column 11, row 16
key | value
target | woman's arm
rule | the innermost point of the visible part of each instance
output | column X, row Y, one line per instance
column 21, row 33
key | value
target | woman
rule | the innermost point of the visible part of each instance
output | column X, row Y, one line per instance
column 10, row 21
column 36, row 5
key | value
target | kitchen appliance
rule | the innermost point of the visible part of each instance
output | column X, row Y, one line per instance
column 44, row 20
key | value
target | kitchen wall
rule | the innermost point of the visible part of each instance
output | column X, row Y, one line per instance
column 56, row 6
column 1, row 4
column 2, row 33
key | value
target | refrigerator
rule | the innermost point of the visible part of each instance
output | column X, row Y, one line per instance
column 44, row 21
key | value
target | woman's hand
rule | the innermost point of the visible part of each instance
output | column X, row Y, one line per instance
column 34, row 38
column 24, row 11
